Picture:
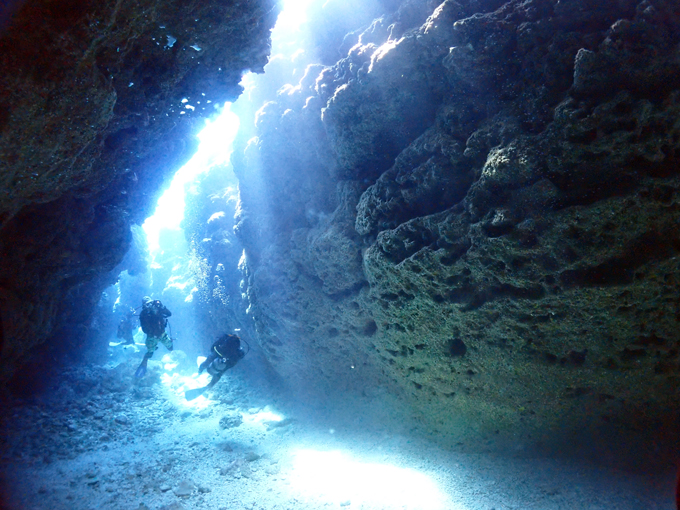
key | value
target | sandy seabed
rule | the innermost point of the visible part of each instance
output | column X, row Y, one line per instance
column 104, row 441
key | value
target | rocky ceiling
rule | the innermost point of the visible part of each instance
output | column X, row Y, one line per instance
column 93, row 122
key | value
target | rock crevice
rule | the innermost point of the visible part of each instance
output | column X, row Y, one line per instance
column 99, row 105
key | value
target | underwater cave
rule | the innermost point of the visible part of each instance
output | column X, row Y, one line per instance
column 357, row 254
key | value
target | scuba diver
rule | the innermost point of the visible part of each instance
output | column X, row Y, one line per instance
column 126, row 326
column 153, row 319
column 225, row 352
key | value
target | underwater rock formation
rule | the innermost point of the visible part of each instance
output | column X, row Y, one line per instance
column 475, row 208
column 478, row 211
column 99, row 105
column 215, row 255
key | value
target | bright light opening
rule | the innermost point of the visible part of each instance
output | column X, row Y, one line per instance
column 334, row 476
column 214, row 149
column 293, row 14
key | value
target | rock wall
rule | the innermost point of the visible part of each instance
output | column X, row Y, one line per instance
column 99, row 105
column 215, row 254
column 479, row 212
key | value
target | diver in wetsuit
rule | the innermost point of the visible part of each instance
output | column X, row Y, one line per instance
column 153, row 319
column 126, row 327
column 225, row 352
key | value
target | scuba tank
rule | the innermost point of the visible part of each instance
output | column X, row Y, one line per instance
column 218, row 366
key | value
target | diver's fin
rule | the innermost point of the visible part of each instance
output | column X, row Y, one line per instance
column 195, row 393
column 141, row 371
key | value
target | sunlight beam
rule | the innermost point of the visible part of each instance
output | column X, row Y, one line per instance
column 215, row 147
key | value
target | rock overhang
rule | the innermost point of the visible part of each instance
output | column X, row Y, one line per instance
column 93, row 122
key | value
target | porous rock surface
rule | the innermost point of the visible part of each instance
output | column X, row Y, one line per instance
column 99, row 104
column 479, row 211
